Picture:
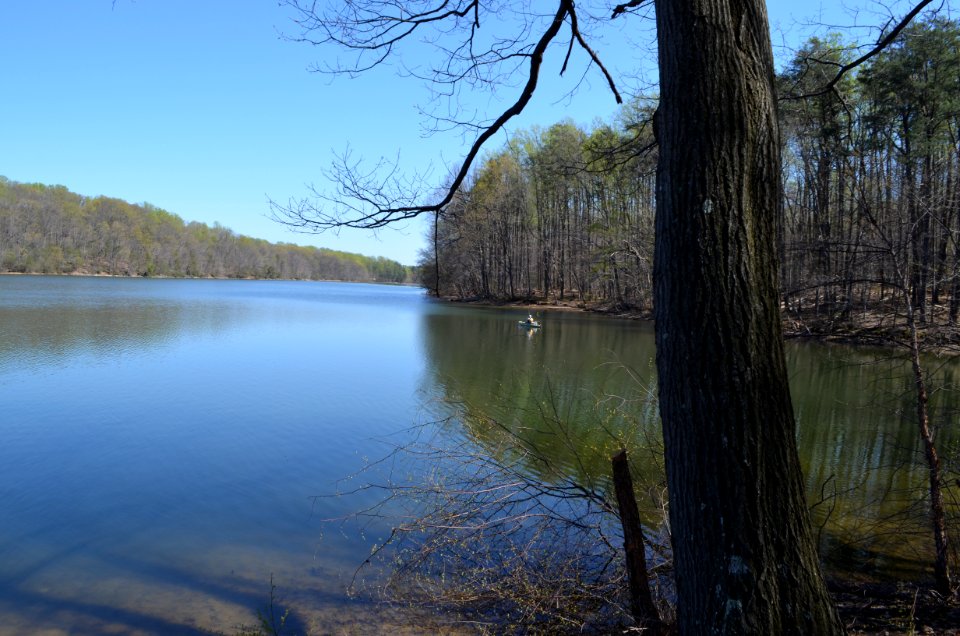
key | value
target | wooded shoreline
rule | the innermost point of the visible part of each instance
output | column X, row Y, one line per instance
column 871, row 328
column 51, row 230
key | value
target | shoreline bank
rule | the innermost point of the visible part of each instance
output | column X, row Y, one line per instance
column 872, row 328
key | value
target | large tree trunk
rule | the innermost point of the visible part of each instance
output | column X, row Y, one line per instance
column 745, row 559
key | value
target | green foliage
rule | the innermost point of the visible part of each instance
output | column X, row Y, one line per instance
column 871, row 170
column 48, row 229
column 560, row 212
column 566, row 213
column 914, row 86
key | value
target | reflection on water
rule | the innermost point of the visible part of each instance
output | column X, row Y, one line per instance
column 863, row 458
column 574, row 391
column 585, row 386
column 48, row 325
column 163, row 440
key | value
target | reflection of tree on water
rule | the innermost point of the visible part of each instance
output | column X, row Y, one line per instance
column 47, row 328
column 517, row 519
column 862, row 458
column 558, row 393
column 99, row 330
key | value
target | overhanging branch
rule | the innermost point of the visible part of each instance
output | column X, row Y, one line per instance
column 881, row 44
column 367, row 201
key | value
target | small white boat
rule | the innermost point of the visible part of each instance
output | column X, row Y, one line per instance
column 529, row 324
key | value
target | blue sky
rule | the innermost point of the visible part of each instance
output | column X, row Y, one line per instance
column 200, row 108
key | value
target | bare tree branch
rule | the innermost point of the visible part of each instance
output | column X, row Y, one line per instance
column 626, row 6
column 372, row 199
column 575, row 29
column 881, row 44
column 367, row 28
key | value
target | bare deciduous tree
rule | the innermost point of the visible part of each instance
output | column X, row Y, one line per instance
column 744, row 553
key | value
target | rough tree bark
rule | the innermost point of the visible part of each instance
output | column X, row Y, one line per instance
column 745, row 559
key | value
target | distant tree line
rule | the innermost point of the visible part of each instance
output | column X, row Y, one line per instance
column 48, row 229
column 872, row 193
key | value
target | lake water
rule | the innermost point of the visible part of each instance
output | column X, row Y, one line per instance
column 165, row 441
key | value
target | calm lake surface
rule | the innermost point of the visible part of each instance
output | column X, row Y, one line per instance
column 165, row 441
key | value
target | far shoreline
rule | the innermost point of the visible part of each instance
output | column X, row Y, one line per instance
column 81, row 274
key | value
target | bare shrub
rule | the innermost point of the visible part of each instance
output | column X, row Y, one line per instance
column 497, row 537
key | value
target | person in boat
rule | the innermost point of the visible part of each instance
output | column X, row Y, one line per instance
column 530, row 319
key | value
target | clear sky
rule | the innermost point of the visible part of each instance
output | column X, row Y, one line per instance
column 202, row 109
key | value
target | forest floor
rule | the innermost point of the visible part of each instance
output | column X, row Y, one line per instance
column 881, row 324
column 871, row 609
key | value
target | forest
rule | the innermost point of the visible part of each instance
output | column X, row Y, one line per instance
column 871, row 173
column 838, row 175
column 51, row 230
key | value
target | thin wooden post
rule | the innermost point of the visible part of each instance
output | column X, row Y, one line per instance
column 641, row 601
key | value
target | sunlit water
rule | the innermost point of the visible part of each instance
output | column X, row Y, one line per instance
column 164, row 441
